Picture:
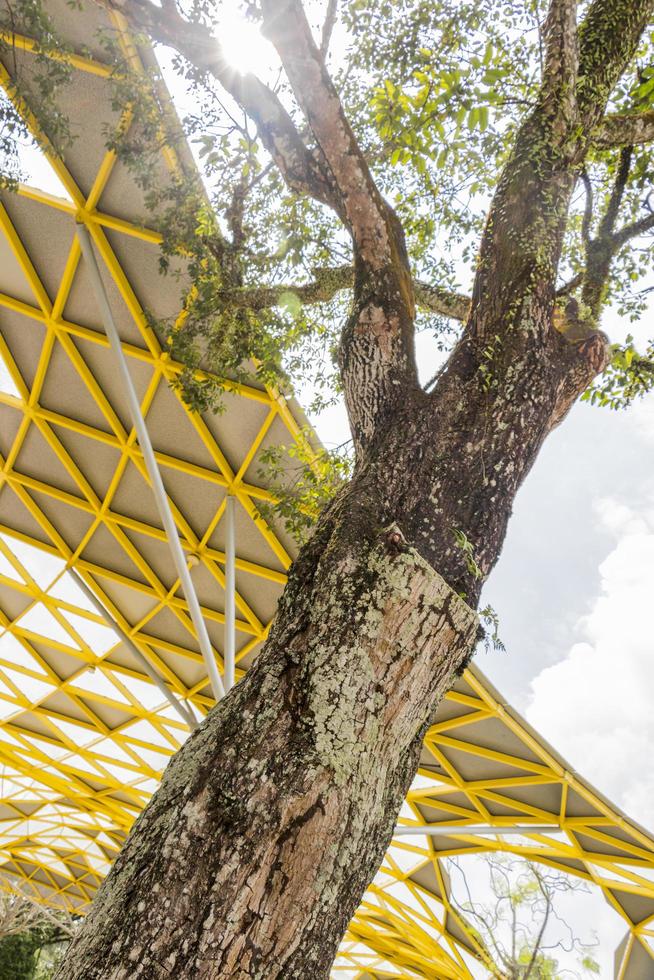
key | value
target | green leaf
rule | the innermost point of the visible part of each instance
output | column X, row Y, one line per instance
column 291, row 302
column 441, row 159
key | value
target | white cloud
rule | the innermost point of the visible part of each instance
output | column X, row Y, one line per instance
column 618, row 518
column 642, row 413
column 596, row 705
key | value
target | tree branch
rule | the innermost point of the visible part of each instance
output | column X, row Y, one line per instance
column 303, row 170
column 608, row 40
column 328, row 27
column 366, row 213
column 588, row 208
column 607, row 223
column 633, row 230
column 379, row 332
column 571, row 285
column 560, row 65
column 625, row 129
column 601, row 251
column 380, row 328
column 328, row 282
column 436, row 299
column 541, row 932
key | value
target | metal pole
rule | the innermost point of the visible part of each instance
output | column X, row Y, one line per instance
column 230, row 594
column 434, row 830
column 151, row 464
column 184, row 712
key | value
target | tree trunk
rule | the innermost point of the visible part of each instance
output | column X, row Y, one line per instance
column 284, row 800
column 273, row 818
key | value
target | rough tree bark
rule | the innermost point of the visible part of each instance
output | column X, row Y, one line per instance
column 273, row 818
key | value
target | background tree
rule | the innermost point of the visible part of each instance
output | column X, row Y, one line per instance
column 451, row 129
column 31, row 937
column 520, row 923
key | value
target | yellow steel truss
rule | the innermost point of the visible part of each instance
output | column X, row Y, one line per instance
column 84, row 734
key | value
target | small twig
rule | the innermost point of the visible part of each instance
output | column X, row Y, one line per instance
column 587, row 219
column 613, row 207
column 328, row 27
column 633, row 230
column 571, row 285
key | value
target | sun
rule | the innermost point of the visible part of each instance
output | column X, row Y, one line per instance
column 243, row 44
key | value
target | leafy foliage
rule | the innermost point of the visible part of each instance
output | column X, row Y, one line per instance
column 49, row 960
column 465, row 545
column 630, row 375
column 32, row 955
column 491, row 626
column 32, row 936
column 40, row 79
column 18, row 956
column 303, row 491
column 435, row 90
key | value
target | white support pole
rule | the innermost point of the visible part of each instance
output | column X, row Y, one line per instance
column 150, row 462
column 183, row 711
column 436, row 830
column 230, row 594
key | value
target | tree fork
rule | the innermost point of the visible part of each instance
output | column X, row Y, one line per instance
column 273, row 818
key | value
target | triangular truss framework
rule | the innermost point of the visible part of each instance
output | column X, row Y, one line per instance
column 84, row 735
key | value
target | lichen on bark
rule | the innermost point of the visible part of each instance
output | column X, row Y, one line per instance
column 326, row 719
